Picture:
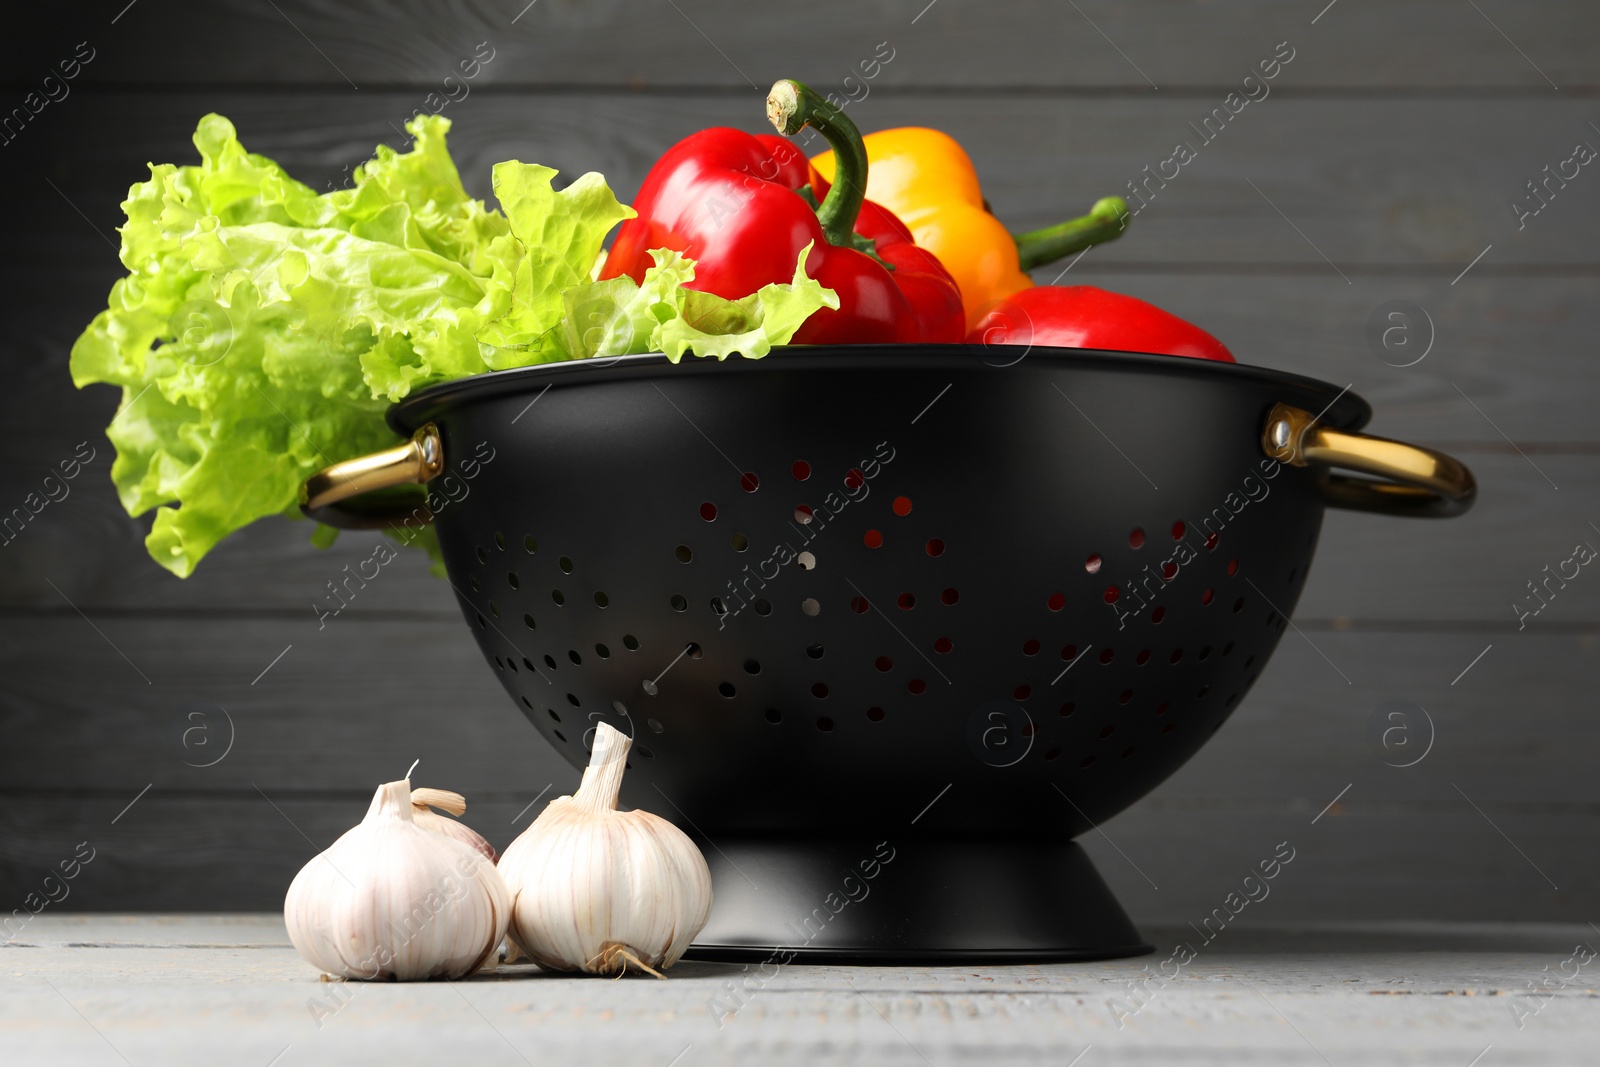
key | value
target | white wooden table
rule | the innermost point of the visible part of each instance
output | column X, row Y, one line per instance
column 209, row 990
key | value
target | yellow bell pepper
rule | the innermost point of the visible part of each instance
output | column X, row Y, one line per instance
column 925, row 178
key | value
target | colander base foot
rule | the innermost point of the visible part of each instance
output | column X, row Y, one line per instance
column 910, row 901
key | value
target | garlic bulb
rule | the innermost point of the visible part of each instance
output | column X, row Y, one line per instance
column 597, row 889
column 392, row 900
column 424, row 800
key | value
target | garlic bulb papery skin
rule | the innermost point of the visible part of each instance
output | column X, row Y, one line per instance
column 392, row 900
column 599, row 890
column 424, row 800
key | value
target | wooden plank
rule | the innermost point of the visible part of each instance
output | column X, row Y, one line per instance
column 314, row 734
column 1358, row 996
column 1466, row 571
column 1013, row 43
column 1328, row 165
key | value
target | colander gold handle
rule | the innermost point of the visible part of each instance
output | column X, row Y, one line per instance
column 330, row 495
column 1407, row 479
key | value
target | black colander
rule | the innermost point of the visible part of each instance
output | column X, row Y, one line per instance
column 889, row 626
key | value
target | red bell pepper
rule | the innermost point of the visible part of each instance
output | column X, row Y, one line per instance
column 1081, row 316
column 737, row 204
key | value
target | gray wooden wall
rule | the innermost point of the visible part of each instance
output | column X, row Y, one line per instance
column 1378, row 169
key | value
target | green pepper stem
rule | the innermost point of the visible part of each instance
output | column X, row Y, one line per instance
column 792, row 106
column 1106, row 221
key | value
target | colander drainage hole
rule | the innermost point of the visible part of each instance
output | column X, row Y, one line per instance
column 917, row 686
column 872, row 539
column 1107, row 655
column 601, row 600
column 935, row 547
column 560, row 736
column 1177, row 654
column 749, row 482
column 807, row 560
column 1086, row 761
column 1207, row 596
column 1249, row 661
column 1092, row 564
column 1204, row 689
column 943, row 645
column 1067, row 709
column 483, row 623
column 907, row 601
column 684, row 553
column 572, row 698
column 528, row 704
column 550, row 661
column 1107, row 731
column 494, row 609
column 566, row 564
column 1177, row 530
column 1238, row 605
column 884, row 663
column 1227, row 649
column 1030, row 647
column 1233, row 567
column 530, row 544
column 577, row 660
column 472, row 579
column 875, row 714
column 801, row 470
column 1143, row 657
column 803, row 515
column 497, row 663
column 655, row 726
column 1136, row 538
column 727, row 690
column 718, row 607
column 810, row 605
column 774, row 716
column 854, row 479
column 708, row 511
column 815, row 651
column 693, row 650
column 1111, row 594
column 1161, row 709
column 527, row 620
column 901, row 505
column 558, row 596
column 1021, row 693
column 513, row 580
column 643, row 751
column 763, row 607
column 1211, row 542
column 739, row 542
column 528, row 663
column 1127, row 752
column 483, row 555
column 511, row 663
column 500, row 540
column 858, row 604
column 553, row 714
column 752, row 666
column 824, row 724
column 1052, row 755
column 949, row 596
column 1205, row 652
column 1057, row 601
column 1125, row 696
column 679, row 602
column 1069, row 652
column 602, row 651
column 819, row 690
column 1158, row 613
column 630, row 642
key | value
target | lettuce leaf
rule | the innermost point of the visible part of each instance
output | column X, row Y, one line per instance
column 264, row 328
